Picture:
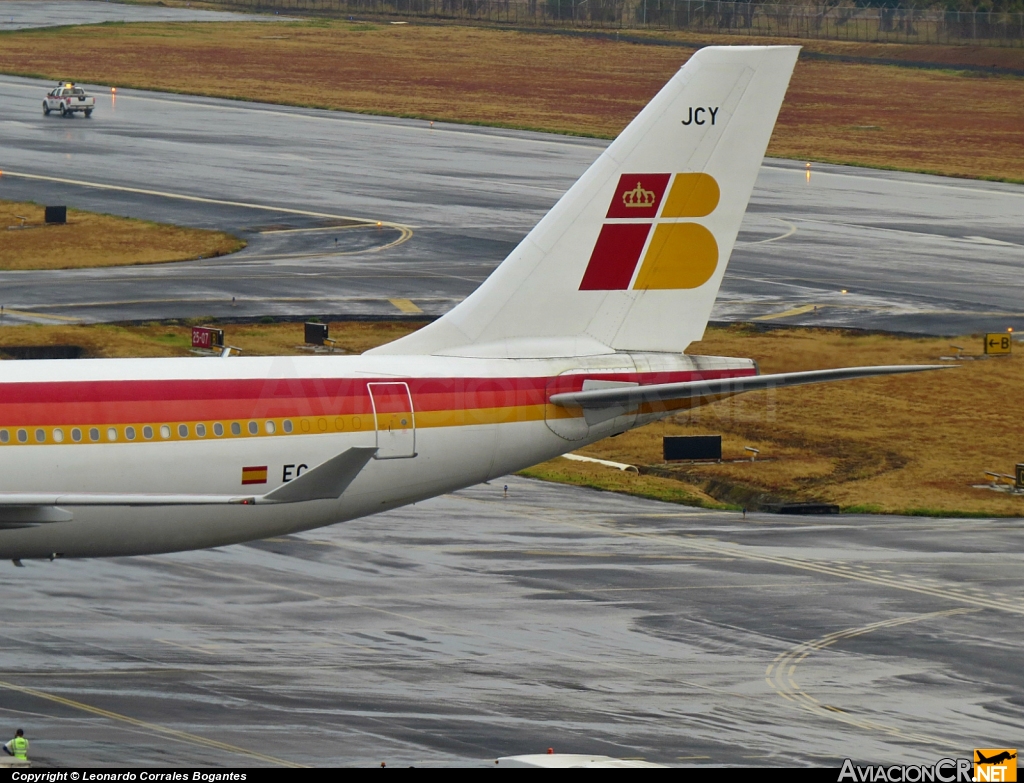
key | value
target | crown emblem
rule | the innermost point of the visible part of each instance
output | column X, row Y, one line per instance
column 638, row 197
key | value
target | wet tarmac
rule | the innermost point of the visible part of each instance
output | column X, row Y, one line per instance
column 25, row 14
column 476, row 625
column 912, row 252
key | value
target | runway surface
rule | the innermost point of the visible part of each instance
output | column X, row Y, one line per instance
column 25, row 14
column 475, row 625
column 914, row 253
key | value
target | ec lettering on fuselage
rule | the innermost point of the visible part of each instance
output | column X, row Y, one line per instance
column 701, row 115
column 290, row 472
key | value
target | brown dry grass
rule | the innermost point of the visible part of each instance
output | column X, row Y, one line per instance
column 669, row 490
column 89, row 240
column 898, row 444
column 162, row 339
column 908, row 53
column 980, row 55
column 870, row 115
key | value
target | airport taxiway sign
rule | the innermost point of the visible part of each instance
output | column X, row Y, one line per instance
column 998, row 342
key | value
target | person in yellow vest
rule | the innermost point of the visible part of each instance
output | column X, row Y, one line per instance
column 17, row 747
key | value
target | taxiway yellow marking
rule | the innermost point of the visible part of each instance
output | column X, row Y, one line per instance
column 405, row 305
column 311, row 230
column 786, row 686
column 174, row 734
column 405, row 235
column 786, row 313
column 30, row 314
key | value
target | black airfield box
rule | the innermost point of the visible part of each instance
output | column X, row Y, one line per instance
column 316, row 334
column 693, row 447
column 57, row 215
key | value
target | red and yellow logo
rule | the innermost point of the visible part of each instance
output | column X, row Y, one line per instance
column 679, row 253
column 995, row 764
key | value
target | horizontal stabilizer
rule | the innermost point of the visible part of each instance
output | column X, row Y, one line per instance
column 632, row 396
column 324, row 482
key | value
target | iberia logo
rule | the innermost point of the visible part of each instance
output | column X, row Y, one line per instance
column 642, row 220
column 995, row 764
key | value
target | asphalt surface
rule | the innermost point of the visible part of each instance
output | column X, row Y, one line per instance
column 25, row 14
column 474, row 625
column 914, row 253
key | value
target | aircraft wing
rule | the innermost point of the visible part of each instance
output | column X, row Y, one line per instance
column 626, row 397
column 327, row 481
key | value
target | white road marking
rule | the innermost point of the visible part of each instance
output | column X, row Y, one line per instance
column 789, row 233
column 987, row 241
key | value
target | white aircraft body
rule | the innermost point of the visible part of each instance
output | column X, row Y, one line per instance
column 576, row 336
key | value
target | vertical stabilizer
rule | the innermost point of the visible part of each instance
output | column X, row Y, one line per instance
column 632, row 256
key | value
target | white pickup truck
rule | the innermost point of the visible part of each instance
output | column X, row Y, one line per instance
column 67, row 99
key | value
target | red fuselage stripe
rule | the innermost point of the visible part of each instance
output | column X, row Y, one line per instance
column 125, row 402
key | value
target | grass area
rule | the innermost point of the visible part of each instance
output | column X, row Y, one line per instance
column 944, row 122
column 907, row 444
column 90, row 240
column 175, row 339
column 611, row 480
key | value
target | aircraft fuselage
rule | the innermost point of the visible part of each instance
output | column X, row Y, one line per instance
column 244, row 426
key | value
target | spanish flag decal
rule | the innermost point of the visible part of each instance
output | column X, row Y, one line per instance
column 257, row 475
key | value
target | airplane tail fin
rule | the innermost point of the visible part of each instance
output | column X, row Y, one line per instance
column 632, row 256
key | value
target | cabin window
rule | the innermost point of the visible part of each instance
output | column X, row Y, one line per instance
column 94, row 434
column 76, row 435
column 22, row 436
column 270, row 427
column 5, row 436
column 111, row 433
column 40, row 436
column 58, row 435
column 201, row 430
column 129, row 433
column 147, row 432
column 287, row 425
column 254, row 428
column 182, row 430
column 218, row 429
column 236, row 428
